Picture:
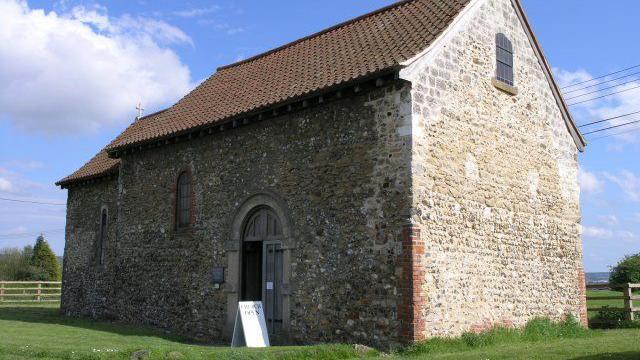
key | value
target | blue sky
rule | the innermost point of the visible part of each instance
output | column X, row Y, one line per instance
column 73, row 72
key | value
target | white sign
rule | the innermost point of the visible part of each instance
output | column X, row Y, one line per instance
column 250, row 328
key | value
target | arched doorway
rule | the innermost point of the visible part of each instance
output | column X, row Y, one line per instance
column 277, row 244
column 261, row 263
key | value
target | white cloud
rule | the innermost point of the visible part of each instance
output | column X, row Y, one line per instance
column 17, row 230
column 567, row 78
column 17, row 184
column 81, row 69
column 196, row 12
column 128, row 25
column 626, row 236
column 603, row 233
column 5, row 185
column 25, row 164
column 615, row 148
column 610, row 220
column 607, row 107
column 628, row 182
column 222, row 26
column 596, row 232
column 589, row 182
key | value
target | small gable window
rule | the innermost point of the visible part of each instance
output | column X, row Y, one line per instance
column 504, row 59
column 183, row 201
column 102, row 237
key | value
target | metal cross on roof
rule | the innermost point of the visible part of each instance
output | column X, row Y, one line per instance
column 140, row 110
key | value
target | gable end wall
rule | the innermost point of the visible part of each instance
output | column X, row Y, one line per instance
column 495, row 192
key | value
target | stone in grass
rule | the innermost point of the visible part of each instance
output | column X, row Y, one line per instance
column 140, row 354
column 175, row 355
column 363, row 349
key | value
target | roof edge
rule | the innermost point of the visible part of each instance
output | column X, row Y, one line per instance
column 578, row 138
column 316, row 34
column 65, row 182
column 443, row 37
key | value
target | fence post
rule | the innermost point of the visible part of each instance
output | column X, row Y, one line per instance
column 1, row 290
column 628, row 303
column 39, row 291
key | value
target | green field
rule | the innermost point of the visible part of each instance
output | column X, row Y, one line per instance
column 606, row 302
column 28, row 332
column 600, row 303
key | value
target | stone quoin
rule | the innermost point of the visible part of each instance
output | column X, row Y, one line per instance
column 406, row 174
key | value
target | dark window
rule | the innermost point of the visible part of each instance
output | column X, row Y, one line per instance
column 504, row 59
column 183, row 201
column 103, row 237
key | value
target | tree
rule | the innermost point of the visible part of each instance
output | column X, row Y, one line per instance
column 15, row 264
column 12, row 264
column 627, row 270
column 45, row 261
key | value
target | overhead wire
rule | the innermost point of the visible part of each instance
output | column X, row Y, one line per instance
column 615, row 134
column 603, row 89
column 600, row 83
column 612, row 127
column 31, row 202
column 607, row 119
column 603, row 96
column 22, row 235
column 600, row 77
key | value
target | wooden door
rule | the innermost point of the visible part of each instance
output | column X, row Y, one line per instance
column 272, row 297
column 264, row 230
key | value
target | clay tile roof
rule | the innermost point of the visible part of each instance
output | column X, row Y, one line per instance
column 100, row 165
column 351, row 50
column 355, row 49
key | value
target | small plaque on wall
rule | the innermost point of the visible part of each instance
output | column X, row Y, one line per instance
column 218, row 275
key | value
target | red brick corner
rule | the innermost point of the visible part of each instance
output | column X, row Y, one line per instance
column 582, row 291
column 412, row 303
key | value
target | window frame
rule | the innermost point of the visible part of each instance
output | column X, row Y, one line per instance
column 183, row 201
column 102, row 237
column 504, row 60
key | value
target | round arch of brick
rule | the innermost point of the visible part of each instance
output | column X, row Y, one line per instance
column 232, row 247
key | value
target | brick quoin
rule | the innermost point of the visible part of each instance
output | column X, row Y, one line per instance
column 412, row 303
column 582, row 287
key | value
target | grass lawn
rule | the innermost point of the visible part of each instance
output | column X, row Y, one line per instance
column 604, row 344
column 28, row 332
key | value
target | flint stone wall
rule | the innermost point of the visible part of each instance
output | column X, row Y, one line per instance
column 495, row 192
column 86, row 285
column 342, row 170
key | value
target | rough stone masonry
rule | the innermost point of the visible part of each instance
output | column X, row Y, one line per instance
column 495, row 192
column 341, row 170
column 428, row 204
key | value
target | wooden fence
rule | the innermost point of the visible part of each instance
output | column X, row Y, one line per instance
column 30, row 291
column 627, row 296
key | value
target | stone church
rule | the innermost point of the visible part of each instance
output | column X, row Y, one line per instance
column 405, row 174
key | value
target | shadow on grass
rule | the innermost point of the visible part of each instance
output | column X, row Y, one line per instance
column 628, row 355
column 51, row 315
